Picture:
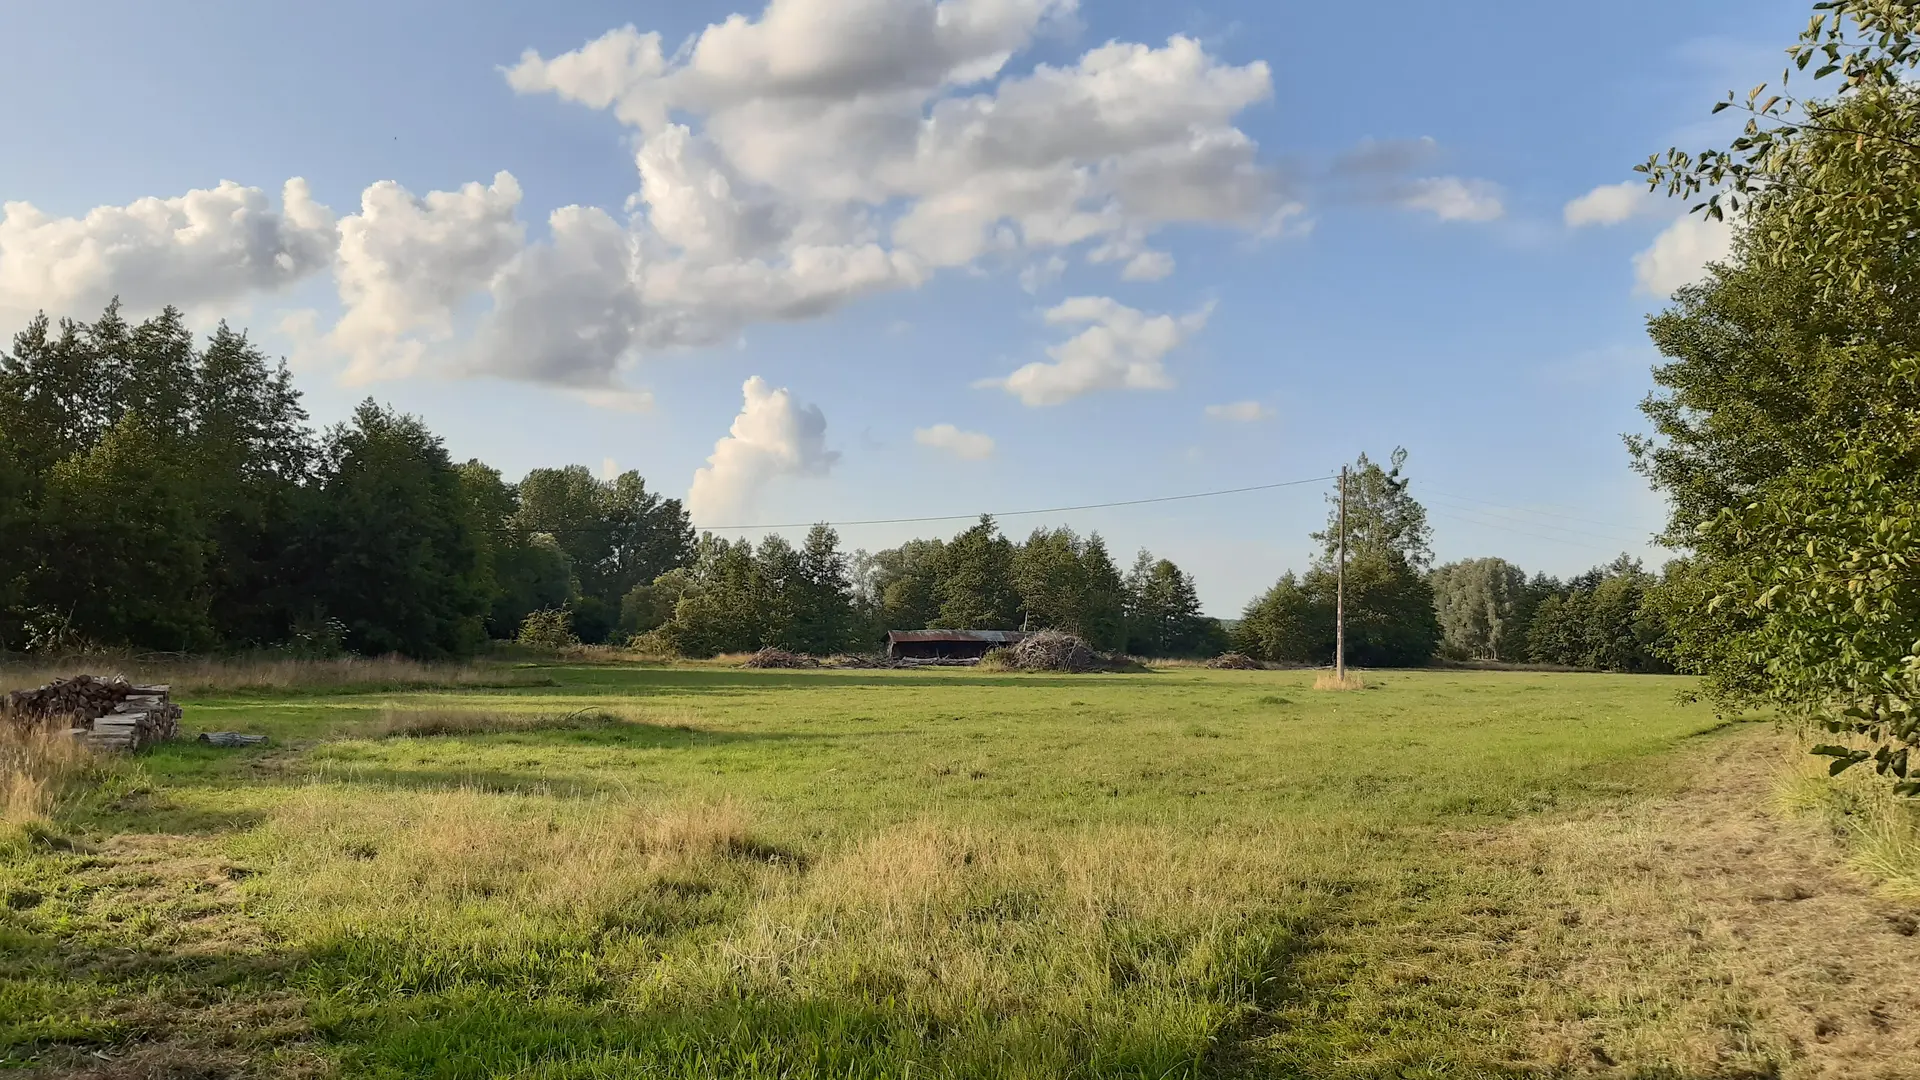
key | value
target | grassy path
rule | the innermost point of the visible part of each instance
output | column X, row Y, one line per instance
column 687, row 872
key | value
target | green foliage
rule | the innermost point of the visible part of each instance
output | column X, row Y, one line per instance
column 616, row 535
column 1389, row 603
column 156, row 493
column 391, row 544
column 1484, row 607
column 1069, row 583
column 550, row 629
column 1163, row 611
column 1383, row 518
column 1787, row 430
column 1286, row 624
column 1602, row 621
column 975, row 587
column 1844, row 167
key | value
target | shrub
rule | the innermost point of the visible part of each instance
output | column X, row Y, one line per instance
column 551, row 629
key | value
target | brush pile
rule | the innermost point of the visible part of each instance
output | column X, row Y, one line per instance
column 1054, row 650
column 1234, row 661
column 780, row 659
column 110, row 713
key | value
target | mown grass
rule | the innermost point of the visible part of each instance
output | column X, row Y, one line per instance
column 702, row 872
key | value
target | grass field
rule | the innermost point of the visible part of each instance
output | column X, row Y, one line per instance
column 604, row 871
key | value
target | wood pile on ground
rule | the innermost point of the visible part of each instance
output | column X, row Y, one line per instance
column 110, row 713
column 1234, row 661
column 1054, row 650
column 780, row 659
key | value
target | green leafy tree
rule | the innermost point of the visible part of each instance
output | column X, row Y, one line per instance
column 1383, row 517
column 975, row 587
column 390, row 541
column 824, row 614
column 903, row 585
column 1787, row 429
column 1483, row 606
column 721, row 611
column 1163, row 610
column 126, row 556
column 1288, row 623
column 1391, row 620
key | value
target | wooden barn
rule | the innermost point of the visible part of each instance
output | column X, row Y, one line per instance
column 947, row 644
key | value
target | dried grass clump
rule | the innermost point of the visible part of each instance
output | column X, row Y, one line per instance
column 1234, row 661
column 270, row 672
column 780, row 660
column 1327, row 680
column 428, row 723
column 1054, row 650
column 38, row 766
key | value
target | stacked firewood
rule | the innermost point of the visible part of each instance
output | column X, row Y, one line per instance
column 110, row 713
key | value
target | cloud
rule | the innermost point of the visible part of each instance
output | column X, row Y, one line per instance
column 1611, row 204
column 1121, row 348
column 1381, row 171
column 407, row 264
column 1680, row 254
column 786, row 163
column 615, row 399
column 1450, row 198
column 208, row 246
column 1239, row 412
column 966, row 445
column 774, row 436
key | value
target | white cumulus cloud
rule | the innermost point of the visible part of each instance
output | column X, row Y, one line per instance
column 774, row 436
column 204, row 247
column 407, row 264
column 966, row 445
column 1611, row 204
column 1680, row 254
column 1239, row 412
column 1121, row 348
column 1450, row 198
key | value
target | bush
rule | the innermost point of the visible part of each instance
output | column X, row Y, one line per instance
column 551, row 629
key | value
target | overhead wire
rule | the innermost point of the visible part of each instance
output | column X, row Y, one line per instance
column 1030, row 513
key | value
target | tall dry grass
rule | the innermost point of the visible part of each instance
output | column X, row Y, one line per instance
column 1327, row 680
column 1881, row 829
column 267, row 672
column 39, row 767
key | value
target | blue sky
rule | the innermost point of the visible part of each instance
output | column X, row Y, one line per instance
column 1368, row 239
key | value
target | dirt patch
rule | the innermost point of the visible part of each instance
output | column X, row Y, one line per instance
column 1709, row 933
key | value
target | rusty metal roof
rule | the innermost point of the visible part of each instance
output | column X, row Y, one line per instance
column 993, row 637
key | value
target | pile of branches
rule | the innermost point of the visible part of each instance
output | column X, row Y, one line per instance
column 772, row 658
column 110, row 713
column 1054, row 650
column 1234, row 661
column 864, row 661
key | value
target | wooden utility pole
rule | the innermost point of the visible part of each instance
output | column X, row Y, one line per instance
column 1340, row 590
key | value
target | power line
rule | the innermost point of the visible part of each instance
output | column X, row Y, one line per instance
column 1029, row 513
column 1585, row 542
column 1616, row 534
column 1521, row 509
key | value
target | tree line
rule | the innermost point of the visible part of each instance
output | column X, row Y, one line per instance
column 1402, row 612
column 163, row 493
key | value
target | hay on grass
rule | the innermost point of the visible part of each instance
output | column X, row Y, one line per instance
column 780, row 659
column 1327, row 680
